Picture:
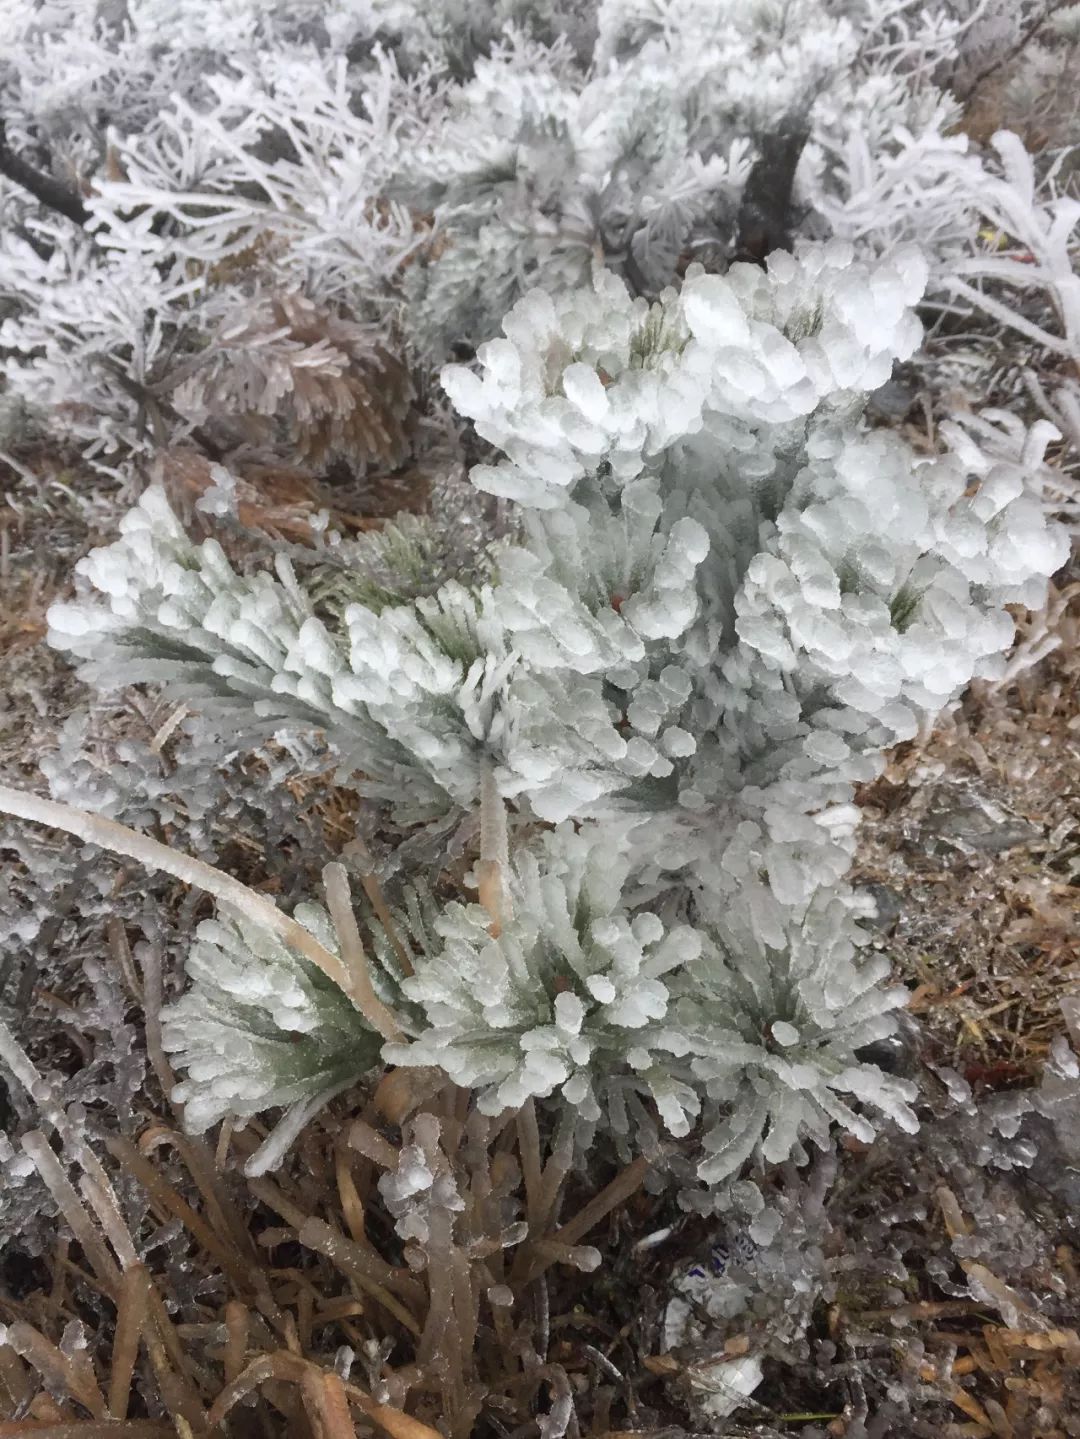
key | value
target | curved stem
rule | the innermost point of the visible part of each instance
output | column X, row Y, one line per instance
column 339, row 902
column 119, row 839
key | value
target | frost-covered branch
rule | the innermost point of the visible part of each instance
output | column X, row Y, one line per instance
column 48, row 191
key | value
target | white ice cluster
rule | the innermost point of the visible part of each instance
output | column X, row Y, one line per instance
column 728, row 596
column 421, row 1191
column 599, row 384
column 572, row 985
column 260, row 1026
column 604, row 1006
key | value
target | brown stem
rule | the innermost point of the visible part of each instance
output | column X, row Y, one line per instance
column 626, row 1183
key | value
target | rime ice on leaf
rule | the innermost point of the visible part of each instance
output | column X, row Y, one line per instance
column 569, row 999
column 259, row 1026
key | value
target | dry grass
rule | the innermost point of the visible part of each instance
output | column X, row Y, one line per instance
column 1002, row 1366
column 972, row 845
column 302, row 1281
column 312, row 1318
column 45, row 526
column 976, row 838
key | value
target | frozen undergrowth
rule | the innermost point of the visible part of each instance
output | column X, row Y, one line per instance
column 692, row 665
column 711, row 594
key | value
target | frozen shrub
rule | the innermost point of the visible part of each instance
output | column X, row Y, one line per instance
column 728, row 598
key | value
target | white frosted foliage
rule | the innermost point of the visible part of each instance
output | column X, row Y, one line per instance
column 259, row 1026
column 726, row 597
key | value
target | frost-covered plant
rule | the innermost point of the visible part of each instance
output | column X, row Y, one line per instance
column 577, row 750
column 556, row 1000
column 726, row 598
column 581, row 997
column 288, row 1034
column 412, row 170
column 1025, row 277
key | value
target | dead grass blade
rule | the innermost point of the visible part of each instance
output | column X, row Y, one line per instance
column 165, row 1197
column 130, row 1319
column 356, row 1263
column 626, row 1183
column 70, row 1375
column 73, row 1210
